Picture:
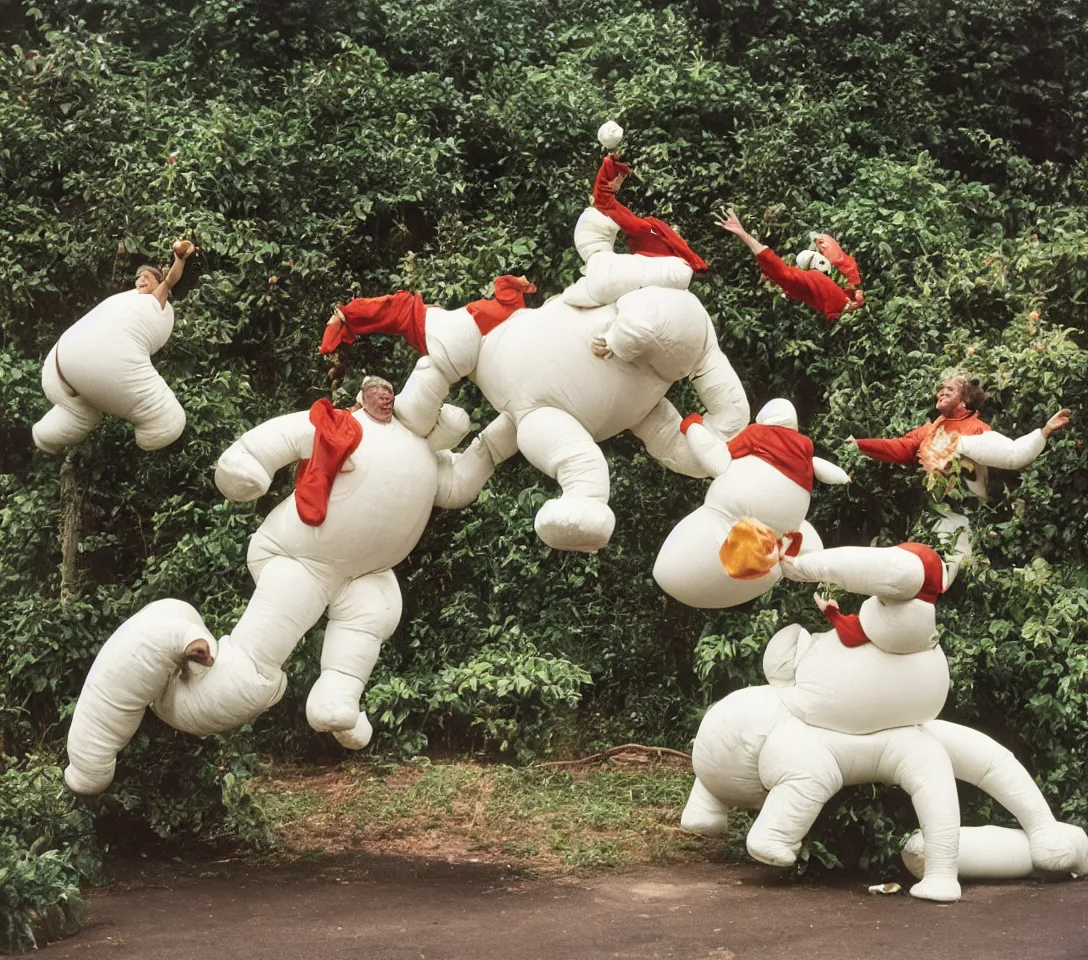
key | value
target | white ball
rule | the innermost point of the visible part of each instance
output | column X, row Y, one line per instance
column 610, row 135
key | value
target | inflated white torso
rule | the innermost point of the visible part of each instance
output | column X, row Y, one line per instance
column 369, row 526
column 751, row 487
column 556, row 367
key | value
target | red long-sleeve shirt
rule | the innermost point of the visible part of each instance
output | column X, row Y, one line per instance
column 907, row 449
column 400, row 314
column 810, row 287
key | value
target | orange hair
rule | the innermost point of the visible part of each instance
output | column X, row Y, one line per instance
column 751, row 549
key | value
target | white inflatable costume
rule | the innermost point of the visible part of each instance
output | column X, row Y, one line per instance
column 376, row 512
column 102, row 364
column 935, row 444
column 765, row 473
column 832, row 716
column 538, row 368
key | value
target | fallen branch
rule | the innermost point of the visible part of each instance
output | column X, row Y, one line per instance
column 614, row 751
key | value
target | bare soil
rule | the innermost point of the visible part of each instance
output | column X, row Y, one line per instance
column 382, row 907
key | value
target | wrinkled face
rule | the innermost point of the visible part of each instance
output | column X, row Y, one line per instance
column 146, row 281
column 378, row 404
column 950, row 399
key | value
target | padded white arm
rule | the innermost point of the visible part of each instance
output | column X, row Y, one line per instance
column 993, row 449
column 720, row 389
column 828, row 472
column 886, row 572
column 660, row 432
column 246, row 468
column 711, row 452
column 461, row 476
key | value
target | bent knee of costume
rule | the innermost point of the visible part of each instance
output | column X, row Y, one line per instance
column 229, row 693
column 159, row 421
column 71, row 418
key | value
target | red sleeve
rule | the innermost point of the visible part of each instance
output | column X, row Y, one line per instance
column 604, row 197
column 336, row 334
column 791, row 279
column 897, row 450
column 848, row 627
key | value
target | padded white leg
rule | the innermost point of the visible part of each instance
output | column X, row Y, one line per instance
column 704, row 813
column 419, row 404
column 558, row 445
column 71, row 418
column 160, row 420
column 361, row 617
column 246, row 678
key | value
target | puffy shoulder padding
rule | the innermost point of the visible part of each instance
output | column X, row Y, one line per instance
column 594, row 233
column 665, row 330
column 864, row 689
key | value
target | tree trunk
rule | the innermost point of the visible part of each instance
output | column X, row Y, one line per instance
column 71, row 522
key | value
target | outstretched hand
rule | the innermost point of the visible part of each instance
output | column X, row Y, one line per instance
column 1056, row 422
column 183, row 249
column 824, row 602
column 729, row 222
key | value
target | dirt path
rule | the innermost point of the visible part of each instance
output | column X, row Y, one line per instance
column 349, row 908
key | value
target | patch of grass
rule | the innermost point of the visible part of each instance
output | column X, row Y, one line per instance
column 605, row 815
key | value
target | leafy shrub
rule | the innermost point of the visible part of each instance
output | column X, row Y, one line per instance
column 47, row 848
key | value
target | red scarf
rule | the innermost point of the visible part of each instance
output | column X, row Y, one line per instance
column 336, row 436
column 784, row 449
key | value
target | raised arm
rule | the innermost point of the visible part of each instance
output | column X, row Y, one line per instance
column 182, row 251
column 245, row 470
column 992, row 449
column 731, row 224
column 610, row 178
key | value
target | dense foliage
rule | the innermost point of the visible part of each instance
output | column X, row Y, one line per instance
column 328, row 148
